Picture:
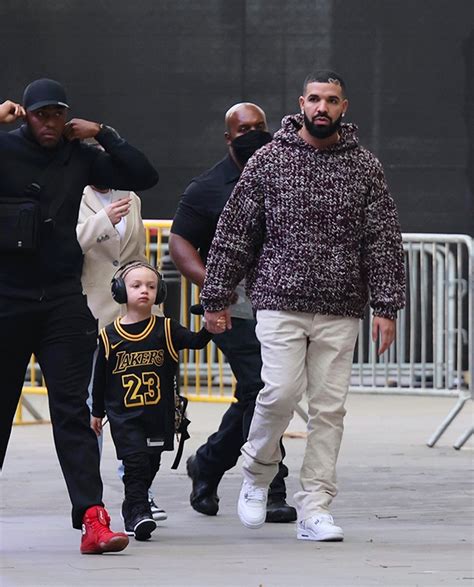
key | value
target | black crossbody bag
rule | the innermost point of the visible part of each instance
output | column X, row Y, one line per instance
column 21, row 218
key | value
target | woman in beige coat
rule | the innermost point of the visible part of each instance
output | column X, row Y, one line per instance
column 111, row 233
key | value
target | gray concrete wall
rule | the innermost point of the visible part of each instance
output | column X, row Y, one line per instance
column 164, row 72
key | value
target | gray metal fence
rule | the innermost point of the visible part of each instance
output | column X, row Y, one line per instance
column 434, row 350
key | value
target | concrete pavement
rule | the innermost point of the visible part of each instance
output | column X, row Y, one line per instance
column 406, row 510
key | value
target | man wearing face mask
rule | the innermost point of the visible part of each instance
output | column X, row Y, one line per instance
column 192, row 232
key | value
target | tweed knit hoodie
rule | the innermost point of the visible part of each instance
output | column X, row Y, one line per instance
column 312, row 230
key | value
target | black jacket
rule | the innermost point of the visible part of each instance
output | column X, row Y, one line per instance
column 55, row 269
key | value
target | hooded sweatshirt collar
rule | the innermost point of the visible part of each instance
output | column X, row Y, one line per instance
column 290, row 125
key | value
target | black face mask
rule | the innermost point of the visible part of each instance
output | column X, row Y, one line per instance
column 246, row 145
column 324, row 131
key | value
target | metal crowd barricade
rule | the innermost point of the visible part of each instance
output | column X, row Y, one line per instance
column 432, row 355
column 434, row 349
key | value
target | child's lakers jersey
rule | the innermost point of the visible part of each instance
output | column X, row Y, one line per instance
column 135, row 379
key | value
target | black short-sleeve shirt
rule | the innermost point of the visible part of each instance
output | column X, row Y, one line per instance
column 202, row 203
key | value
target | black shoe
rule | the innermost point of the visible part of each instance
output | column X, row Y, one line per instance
column 278, row 511
column 203, row 497
column 138, row 521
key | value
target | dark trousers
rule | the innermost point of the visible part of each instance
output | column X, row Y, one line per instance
column 139, row 471
column 222, row 449
column 62, row 333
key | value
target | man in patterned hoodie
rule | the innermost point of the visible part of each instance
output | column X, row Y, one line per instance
column 312, row 226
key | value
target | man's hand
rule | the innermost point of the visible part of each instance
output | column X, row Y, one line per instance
column 118, row 209
column 385, row 328
column 11, row 111
column 96, row 425
column 77, row 128
column 218, row 322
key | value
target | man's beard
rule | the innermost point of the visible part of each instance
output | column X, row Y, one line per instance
column 322, row 131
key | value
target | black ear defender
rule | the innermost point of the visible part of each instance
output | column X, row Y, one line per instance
column 119, row 290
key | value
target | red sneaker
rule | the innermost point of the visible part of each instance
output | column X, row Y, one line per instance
column 97, row 537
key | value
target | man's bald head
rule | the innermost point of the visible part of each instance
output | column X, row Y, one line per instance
column 243, row 110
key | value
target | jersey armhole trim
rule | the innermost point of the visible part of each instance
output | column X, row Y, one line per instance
column 105, row 340
column 169, row 341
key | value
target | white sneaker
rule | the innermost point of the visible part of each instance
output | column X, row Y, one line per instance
column 319, row 527
column 157, row 512
column 252, row 506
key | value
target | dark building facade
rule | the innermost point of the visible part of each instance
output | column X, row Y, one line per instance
column 163, row 72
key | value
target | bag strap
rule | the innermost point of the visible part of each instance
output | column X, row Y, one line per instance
column 182, row 431
column 50, row 206
column 183, row 436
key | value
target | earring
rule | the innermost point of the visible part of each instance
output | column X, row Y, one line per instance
column 343, row 114
column 302, row 111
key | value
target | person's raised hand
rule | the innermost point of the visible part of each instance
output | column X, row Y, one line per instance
column 77, row 128
column 118, row 209
column 11, row 111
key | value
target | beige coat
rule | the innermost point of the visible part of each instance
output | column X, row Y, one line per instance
column 104, row 252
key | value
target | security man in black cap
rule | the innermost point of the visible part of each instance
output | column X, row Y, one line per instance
column 44, row 166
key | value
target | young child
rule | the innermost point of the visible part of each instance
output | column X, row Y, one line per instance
column 134, row 385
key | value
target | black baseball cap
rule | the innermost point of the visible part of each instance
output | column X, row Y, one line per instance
column 44, row 92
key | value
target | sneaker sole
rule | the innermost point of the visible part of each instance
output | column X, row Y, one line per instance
column 250, row 525
column 160, row 516
column 143, row 529
column 115, row 544
column 328, row 537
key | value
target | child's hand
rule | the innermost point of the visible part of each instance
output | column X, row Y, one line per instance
column 218, row 322
column 96, row 425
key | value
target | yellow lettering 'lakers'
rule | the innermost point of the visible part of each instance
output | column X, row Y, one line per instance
column 127, row 360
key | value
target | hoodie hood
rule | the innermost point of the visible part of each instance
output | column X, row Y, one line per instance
column 290, row 125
